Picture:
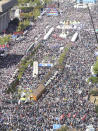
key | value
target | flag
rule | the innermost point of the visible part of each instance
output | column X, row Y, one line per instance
column 83, row 118
column 62, row 116
column 69, row 115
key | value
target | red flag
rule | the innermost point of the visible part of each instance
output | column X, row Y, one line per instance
column 83, row 118
column 74, row 115
column 69, row 115
column 7, row 46
column 62, row 116
column 54, row 35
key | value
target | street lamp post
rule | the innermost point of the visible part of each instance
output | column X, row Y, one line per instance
column 92, row 23
column 58, row 4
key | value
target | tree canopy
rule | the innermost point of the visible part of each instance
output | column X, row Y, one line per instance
column 96, row 67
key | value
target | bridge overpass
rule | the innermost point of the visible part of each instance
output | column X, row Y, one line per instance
column 5, row 7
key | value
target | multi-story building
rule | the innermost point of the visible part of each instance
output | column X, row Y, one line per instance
column 5, row 7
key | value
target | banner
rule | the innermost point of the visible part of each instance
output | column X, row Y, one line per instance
column 56, row 126
column 52, row 11
column 45, row 65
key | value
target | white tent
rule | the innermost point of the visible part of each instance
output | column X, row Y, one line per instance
column 74, row 37
column 49, row 33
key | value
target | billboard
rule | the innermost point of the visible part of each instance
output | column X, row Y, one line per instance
column 86, row 1
column 52, row 12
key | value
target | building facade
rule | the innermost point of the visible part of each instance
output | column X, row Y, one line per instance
column 5, row 8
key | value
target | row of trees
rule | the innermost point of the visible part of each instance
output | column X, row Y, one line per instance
column 94, row 92
column 32, row 1
column 30, row 12
column 22, row 67
column 94, row 79
column 96, row 68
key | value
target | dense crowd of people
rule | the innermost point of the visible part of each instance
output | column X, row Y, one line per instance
column 66, row 100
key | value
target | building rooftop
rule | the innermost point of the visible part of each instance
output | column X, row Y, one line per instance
column 6, row 4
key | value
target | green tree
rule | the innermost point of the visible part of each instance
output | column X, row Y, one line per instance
column 96, row 67
column 22, row 25
column 63, row 128
column 96, row 109
column 5, row 39
column 27, row 15
column 23, row 1
column 36, row 12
